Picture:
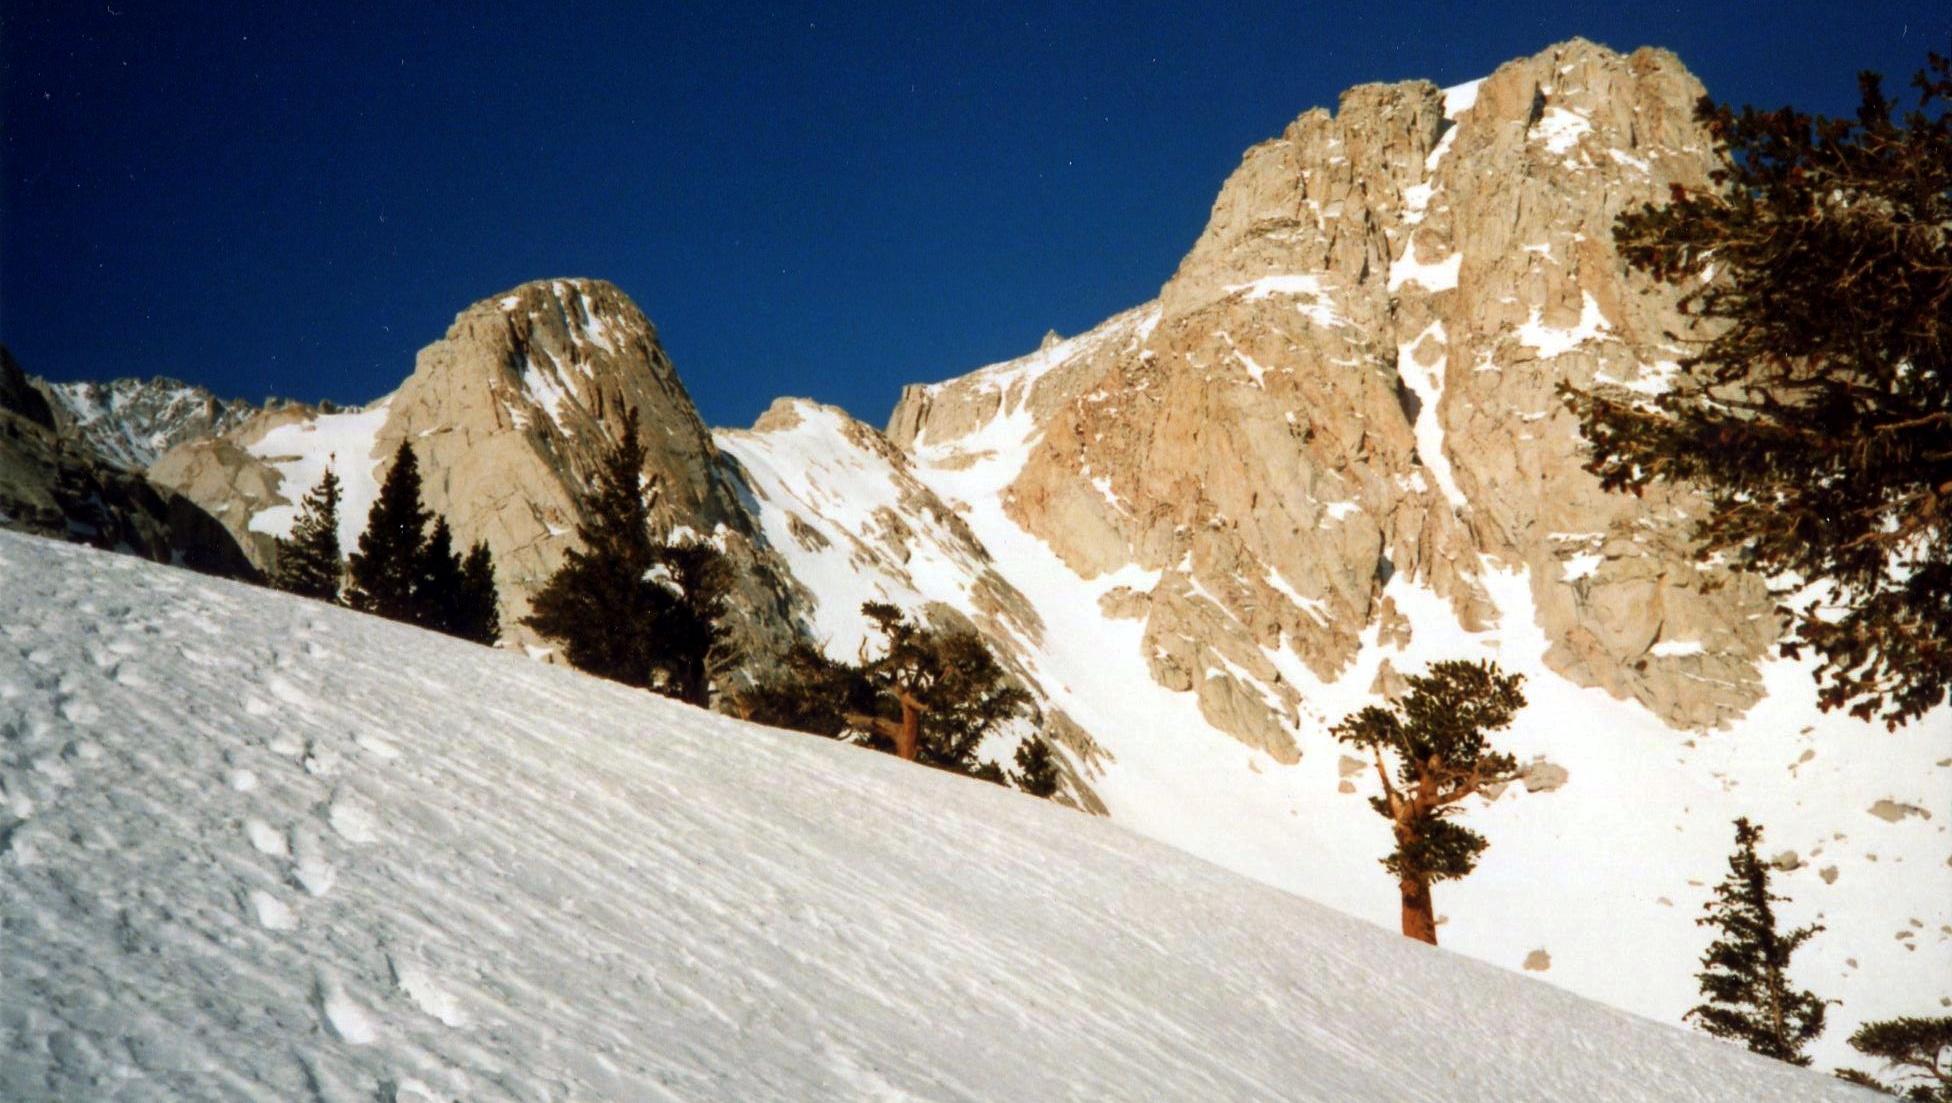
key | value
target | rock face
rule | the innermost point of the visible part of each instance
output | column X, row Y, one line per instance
column 511, row 412
column 1351, row 377
column 131, row 422
column 52, row 483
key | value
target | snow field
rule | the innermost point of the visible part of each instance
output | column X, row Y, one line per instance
column 1602, row 878
column 421, row 870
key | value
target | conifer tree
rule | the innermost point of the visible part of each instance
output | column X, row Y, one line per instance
column 309, row 562
column 1818, row 414
column 479, row 616
column 1436, row 733
column 437, row 591
column 690, row 641
column 1919, row 1049
column 622, row 606
column 404, row 573
column 1745, row 972
column 1036, row 772
column 382, row 576
column 929, row 697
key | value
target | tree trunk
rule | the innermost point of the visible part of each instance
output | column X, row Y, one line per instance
column 1419, row 915
column 908, row 737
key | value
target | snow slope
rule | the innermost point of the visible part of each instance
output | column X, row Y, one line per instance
column 1595, row 885
column 257, row 848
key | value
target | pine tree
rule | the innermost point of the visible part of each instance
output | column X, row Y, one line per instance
column 479, row 616
column 1036, row 772
column 309, row 563
column 929, row 696
column 1746, row 971
column 382, row 576
column 1919, row 1049
column 596, row 604
column 437, row 590
column 690, row 640
column 1817, row 416
column 404, row 573
column 1436, row 733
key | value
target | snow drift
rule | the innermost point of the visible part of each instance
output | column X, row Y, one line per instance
column 258, row 848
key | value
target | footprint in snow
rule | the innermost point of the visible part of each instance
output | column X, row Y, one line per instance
column 271, row 912
column 267, row 839
column 353, row 822
column 348, row 1021
column 426, row 994
column 309, row 868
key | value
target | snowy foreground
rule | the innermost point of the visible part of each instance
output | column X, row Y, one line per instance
column 257, row 848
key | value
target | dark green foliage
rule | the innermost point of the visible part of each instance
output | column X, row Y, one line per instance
column 1436, row 735
column 691, row 639
column 812, row 694
column 456, row 595
column 625, row 608
column 403, row 573
column 1745, row 971
column 382, row 575
column 930, row 696
column 309, row 562
column 479, row 617
column 1919, row 1049
column 1819, row 420
column 1036, row 771
column 961, row 690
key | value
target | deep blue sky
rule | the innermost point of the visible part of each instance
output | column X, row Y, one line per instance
column 825, row 199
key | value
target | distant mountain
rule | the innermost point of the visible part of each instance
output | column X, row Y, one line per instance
column 53, row 483
column 131, row 422
column 1328, row 454
column 252, row 847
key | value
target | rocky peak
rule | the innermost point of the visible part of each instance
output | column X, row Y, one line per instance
column 511, row 412
column 1351, row 378
column 132, row 422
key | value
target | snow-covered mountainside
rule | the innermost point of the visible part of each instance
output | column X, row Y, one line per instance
column 132, row 422
column 258, row 848
column 1599, row 863
column 1330, row 454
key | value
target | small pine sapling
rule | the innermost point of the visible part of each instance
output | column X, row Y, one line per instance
column 1745, row 972
column 309, row 563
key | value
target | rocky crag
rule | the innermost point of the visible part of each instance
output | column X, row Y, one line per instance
column 1352, row 376
column 509, row 414
column 53, row 483
column 130, row 423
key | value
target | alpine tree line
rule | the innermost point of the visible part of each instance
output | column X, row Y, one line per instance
column 403, row 570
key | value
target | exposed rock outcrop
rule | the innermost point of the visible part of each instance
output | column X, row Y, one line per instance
column 1352, row 375
column 53, row 484
column 510, row 414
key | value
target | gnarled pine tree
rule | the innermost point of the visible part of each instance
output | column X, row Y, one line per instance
column 930, row 697
column 1436, row 733
column 1819, row 416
